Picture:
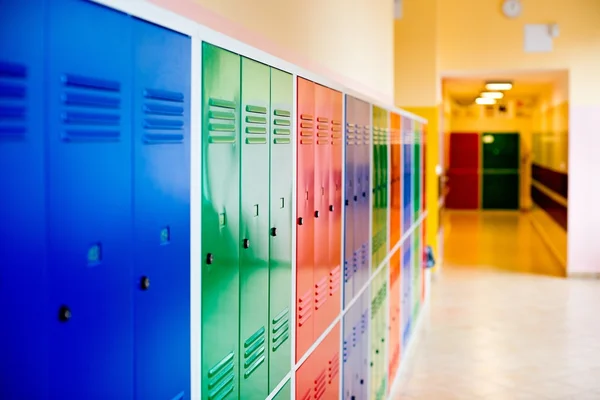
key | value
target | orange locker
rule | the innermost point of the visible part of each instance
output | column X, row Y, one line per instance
column 394, row 317
column 305, row 237
column 396, row 181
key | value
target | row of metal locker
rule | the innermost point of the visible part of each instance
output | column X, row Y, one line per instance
column 95, row 154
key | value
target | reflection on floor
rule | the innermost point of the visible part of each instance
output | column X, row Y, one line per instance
column 496, row 239
column 492, row 333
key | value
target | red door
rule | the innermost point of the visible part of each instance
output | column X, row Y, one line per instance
column 463, row 174
column 331, row 351
column 396, row 195
column 305, row 238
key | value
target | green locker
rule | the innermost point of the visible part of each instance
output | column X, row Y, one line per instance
column 380, row 185
column 285, row 392
column 280, row 256
column 378, row 372
column 254, row 230
column 417, row 171
column 220, row 222
column 501, row 179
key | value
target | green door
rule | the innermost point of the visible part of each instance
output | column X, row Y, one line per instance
column 220, row 222
column 380, row 185
column 385, row 184
column 280, row 257
column 254, row 230
column 501, row 160
column 417, row 171
column 285, row 392
column 378, row 335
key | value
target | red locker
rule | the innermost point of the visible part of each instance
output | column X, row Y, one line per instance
column 394, row 317
column 463, row 174
column 396, row 170
column 333, row 306
column 319, row 376
column 305, row 237
column 322, row 162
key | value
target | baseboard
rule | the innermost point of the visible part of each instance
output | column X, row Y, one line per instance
column 557, row 254
column 584, row 275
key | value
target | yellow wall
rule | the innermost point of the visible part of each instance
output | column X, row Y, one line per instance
column 351, row 38
column 473, row 35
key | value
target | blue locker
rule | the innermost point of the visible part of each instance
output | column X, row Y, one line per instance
column 365, row 347
column 161, row 212
column 349, row 359
column 23, row 291
column 350, row 206
column 407, row 166
column 406, row 312
column 89, row 197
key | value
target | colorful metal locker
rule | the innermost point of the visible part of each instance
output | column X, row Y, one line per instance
column 349, row 351
column 89, row 197
column 284, row 393
column 378, row 334
column 23, row 253
column 351, row 199
column 396, row 180
column 362, row 237
column 362, row 379
column 322, row 165
column 161, row 211
column 334, row 210
column 417, row 272
column 331, row 361
column 417, row 171
column 221, row 72
column 254, row 229
column 394, row 315
column 406, row 306
column 305, row 208
column 280, row 247
column 407, row 181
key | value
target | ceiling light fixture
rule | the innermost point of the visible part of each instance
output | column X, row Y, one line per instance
column 498, row 86
column 485, row 101
column 492, row 95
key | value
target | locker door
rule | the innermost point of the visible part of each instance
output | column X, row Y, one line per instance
column 396, row 190
column 417, row 171
column 406, row 295
column 364, row 180
column 280, row 247
column 23, row 291
column 350, row 355
column 365, row 349
column 424, row 167
column 416, row 275
column 331, row 353
column 394, row 316
column 220, row 222
column 89, row 183
column 407, row 176
column 305, row 194
column 321, row 208
column 350, row 202
column 335, row 206
column 385, row 184
column 284, row 393
column 305, row 376
column 377, row 180
column 161, row 211
column 254, row 229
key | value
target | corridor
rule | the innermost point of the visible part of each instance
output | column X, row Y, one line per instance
column 496, row 328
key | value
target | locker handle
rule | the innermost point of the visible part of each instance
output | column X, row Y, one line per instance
column 246, row 243
column 145, row 283
column 64, row 314
column 317, row 214
column 300, row 221
column 331, row 208
column 209, row 258
column 355, row 198
column 273, row 231
column 347, row 202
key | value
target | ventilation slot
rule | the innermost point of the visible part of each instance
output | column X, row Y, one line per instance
column 13, row 107
column 320, row 293
column 222, row 121
column 305, row 307
column 92, row 109
column 334, row 280
column 320, row 384
column 306, row 395
column 221, row 378
column 280, row 329
column 254, row 352
column 164, row 122
column 334, row 367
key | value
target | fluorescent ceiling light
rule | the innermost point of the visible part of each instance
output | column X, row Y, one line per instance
column 484, row 101
column 492, row 95
column 498, row 86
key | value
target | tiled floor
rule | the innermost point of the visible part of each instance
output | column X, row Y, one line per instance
column 493, row 332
